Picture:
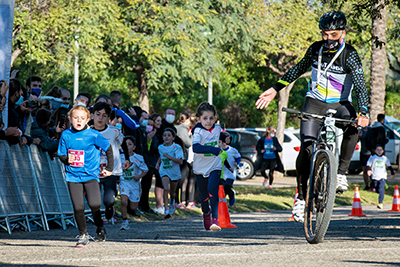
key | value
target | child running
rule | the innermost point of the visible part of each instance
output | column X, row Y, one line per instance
column 233, row 159
column 101, row 115
column 377, row 171
column 207, row 163
column 171, row 156
column 79, row 150
column 130, row 181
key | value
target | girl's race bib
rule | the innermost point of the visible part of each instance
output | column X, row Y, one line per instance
column 79, row 158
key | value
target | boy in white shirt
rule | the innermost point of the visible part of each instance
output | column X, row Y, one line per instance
column 233, row 159
column 377, row 170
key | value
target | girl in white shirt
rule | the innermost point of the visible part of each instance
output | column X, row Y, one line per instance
column 171, row 156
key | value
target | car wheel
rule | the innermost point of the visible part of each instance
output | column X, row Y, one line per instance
column 246, row 171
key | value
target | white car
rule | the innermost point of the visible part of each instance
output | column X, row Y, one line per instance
column 290, row 146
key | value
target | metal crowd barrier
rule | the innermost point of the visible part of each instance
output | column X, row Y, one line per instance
column 33, row 190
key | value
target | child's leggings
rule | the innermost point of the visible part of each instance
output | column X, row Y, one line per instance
column 109, row 184
column 93, row 198
column 380, row 187
column 208, row 190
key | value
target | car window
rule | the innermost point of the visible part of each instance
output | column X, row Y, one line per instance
column 287, row 139
column 390, row 134
column 247, row 140
column 234, row 137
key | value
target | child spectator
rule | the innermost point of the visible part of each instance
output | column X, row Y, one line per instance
column 79, row 150
column 206, row 164
column 171, row 156
column 377, row 170
column 130, row 181
column 101, row 116
column 233, row 159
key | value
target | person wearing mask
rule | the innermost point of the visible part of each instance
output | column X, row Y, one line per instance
column 168, row 121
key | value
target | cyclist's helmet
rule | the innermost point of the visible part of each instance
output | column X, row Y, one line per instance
column 333, row 20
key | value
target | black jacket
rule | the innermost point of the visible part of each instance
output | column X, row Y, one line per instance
column 260, row 146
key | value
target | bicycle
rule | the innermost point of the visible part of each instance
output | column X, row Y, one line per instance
column 321, row 189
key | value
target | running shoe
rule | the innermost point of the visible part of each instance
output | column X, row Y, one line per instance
column 159, row 211
column 265, row 182
column 215, row 225
column 125, row 225
column 172, row 208
column 83, row 240
column 380, row 206
column 207, row 221
column 192, row 205
column 298, row 210
column 270, row 186
column 232, row 198
column 341, row 185
column 101, row 234
column 166, row 213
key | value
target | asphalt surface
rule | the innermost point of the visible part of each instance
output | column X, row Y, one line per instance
column 261, row 239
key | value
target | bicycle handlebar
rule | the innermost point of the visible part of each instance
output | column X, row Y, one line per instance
column 302, row 115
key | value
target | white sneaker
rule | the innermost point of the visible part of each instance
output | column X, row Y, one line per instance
column 341, row 185
column 159, row 210
column 125, row 225
column 298, row 210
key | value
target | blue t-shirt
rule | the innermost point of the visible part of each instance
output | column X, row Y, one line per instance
column 85, row 145
column 268, row 147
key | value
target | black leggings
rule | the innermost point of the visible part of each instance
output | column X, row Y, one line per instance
column 309, row 131
column 93, row 197
column 146, row 185
column 187, row 183
column 268, row 164
column 110, row 191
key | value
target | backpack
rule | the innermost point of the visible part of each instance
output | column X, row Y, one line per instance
column 375, row 136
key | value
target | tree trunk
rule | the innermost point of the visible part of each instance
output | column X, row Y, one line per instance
column 280, row 125
column 14, row 55
column 378, row 66
column 143, row 92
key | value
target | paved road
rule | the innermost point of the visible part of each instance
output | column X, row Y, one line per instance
column 261, row 239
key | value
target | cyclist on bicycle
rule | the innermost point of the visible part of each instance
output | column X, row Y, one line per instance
column 336, row 70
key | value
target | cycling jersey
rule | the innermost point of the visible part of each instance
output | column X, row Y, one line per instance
column 334, row 84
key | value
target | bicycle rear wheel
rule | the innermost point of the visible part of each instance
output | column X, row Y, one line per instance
column 320, row 196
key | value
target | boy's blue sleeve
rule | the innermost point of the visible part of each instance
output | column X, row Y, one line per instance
column 129, row 122
column 237, row 160
column 62, row 150
column 102, row 142
column 200, row 149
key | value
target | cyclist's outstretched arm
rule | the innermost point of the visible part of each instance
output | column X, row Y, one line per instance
column 290, row 76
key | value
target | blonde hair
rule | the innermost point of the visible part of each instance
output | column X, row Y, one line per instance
column 79, row 107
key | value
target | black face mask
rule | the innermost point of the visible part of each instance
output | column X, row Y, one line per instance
column 331, row 45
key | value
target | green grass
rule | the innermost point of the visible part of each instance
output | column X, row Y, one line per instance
column 258, row 198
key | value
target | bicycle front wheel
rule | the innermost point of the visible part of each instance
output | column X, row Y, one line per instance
column 320, row 197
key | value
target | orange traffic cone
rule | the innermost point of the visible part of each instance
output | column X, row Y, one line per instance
column 396, row 200
column 357, row 210
column 295, row 198
column 223, row 213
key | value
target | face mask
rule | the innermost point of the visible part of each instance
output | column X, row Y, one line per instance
column 272, row 135
column 38, row 91
column 331, row 45
column 64, row 106
column 20, row 100
column 149, row 128
column 81, row 104
column 170, row 118
column 119, row 126
column 144, row 123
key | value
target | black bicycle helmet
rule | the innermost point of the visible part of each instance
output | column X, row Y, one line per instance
column 333, row 20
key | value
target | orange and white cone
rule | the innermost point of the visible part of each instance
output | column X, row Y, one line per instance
column 396, row 200
column 357, row 209
column 223, row 212
column 295, row 198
